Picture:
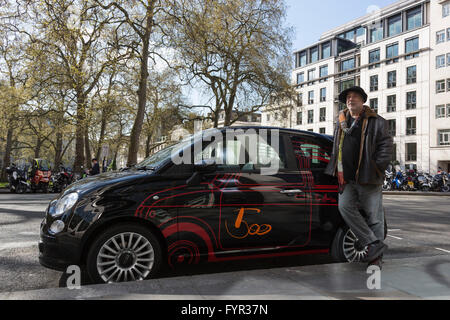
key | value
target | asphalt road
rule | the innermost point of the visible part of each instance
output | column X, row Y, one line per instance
column 418, row 227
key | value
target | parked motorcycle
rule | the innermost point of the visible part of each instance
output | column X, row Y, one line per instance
column 40, row 175
column 62, row 179
column 17, row 178
column 440, row 182
column 387, row 183
column 399, row 182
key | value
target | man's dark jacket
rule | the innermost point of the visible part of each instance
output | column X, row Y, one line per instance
column 375, row 151
column 95, row 169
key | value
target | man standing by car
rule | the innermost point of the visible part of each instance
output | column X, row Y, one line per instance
column 362, row 151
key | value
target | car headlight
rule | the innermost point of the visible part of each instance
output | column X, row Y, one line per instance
column 64, row 204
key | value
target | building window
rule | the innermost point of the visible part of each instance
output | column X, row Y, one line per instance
column 440, row 86
column 276, row 116
column 323, row 115
column 411, row 100
column 440, row 61
column 300, row 77
column 323, row 94
column 374, row 83
column 440, row 111
column 444, row 137
column 411, row 152
column 445, row 9
column 322, row 130
column 394, row 25
column 341, row 106
column 392, row 128
column 323, row 72
column 311, row 75
column 392, row 53
column 268, row 117
column 448, row 84
column 448, row 59
column 392, row 79
column 347, row 84
column 326, row 50
column 311, row 97
column 348, row 64
column 448, row 111
column 300, row 99
column 411, row 126
column 448, row 34
column 376, row 33
column 310, row 116
column 374, row 56
column 391, row 103
column 314, row 54
column 302, row 58
column 374, row 104
column 412, row 45
column 411, row 75
column 414, row 18
column 440, row 36
column 299, row 118
column 394, row 152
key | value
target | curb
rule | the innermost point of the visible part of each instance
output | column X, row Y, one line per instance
column 417, row 193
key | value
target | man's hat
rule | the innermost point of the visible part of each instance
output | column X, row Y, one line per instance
column 343, row 95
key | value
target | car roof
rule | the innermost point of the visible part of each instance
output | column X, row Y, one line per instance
column 285, row 130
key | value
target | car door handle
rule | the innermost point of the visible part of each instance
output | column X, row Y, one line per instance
column 292, row 191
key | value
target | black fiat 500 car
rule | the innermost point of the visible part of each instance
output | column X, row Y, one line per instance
column 223, row 202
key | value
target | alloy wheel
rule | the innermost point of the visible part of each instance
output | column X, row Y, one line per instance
column 350, row 252
column 124, row 257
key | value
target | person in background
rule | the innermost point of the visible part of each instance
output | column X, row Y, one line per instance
column 95, row 168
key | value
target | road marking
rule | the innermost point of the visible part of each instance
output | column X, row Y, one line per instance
column 442, row 250
column 395, row 237
column 16, row 245
column 390, row 230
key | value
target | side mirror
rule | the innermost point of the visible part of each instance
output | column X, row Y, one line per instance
column 205, row 166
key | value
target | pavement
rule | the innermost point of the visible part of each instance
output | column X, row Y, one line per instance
column 400, row 279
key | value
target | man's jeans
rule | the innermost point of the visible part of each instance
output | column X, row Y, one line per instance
column 370, row 198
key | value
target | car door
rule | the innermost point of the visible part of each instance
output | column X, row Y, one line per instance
column 259, row 208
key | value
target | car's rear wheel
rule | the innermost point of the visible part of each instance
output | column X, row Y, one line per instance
column 124, row 253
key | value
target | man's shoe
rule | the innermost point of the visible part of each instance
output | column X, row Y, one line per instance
column 375, row 250
column 377, row 262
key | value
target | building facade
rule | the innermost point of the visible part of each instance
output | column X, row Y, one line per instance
column 400, row 55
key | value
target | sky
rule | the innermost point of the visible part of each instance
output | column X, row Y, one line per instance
column 310, row 19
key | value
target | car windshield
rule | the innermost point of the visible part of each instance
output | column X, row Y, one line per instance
column 158, row 158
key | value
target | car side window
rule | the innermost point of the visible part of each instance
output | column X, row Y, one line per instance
column 240, row 155
column 310, row 154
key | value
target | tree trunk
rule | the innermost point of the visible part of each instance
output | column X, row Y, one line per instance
column 37, row 150
column 7, row 156
column 79, row 135
column 142, row 91
column 87, row 146
column 58, row 149
column 102, row 134
column 147, row 145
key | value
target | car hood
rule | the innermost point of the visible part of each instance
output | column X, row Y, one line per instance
column 106, row 180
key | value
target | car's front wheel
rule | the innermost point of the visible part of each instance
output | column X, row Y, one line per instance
column 123, row 253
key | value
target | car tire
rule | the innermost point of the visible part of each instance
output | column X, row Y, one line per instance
column 122, row 253
column 343, row 249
